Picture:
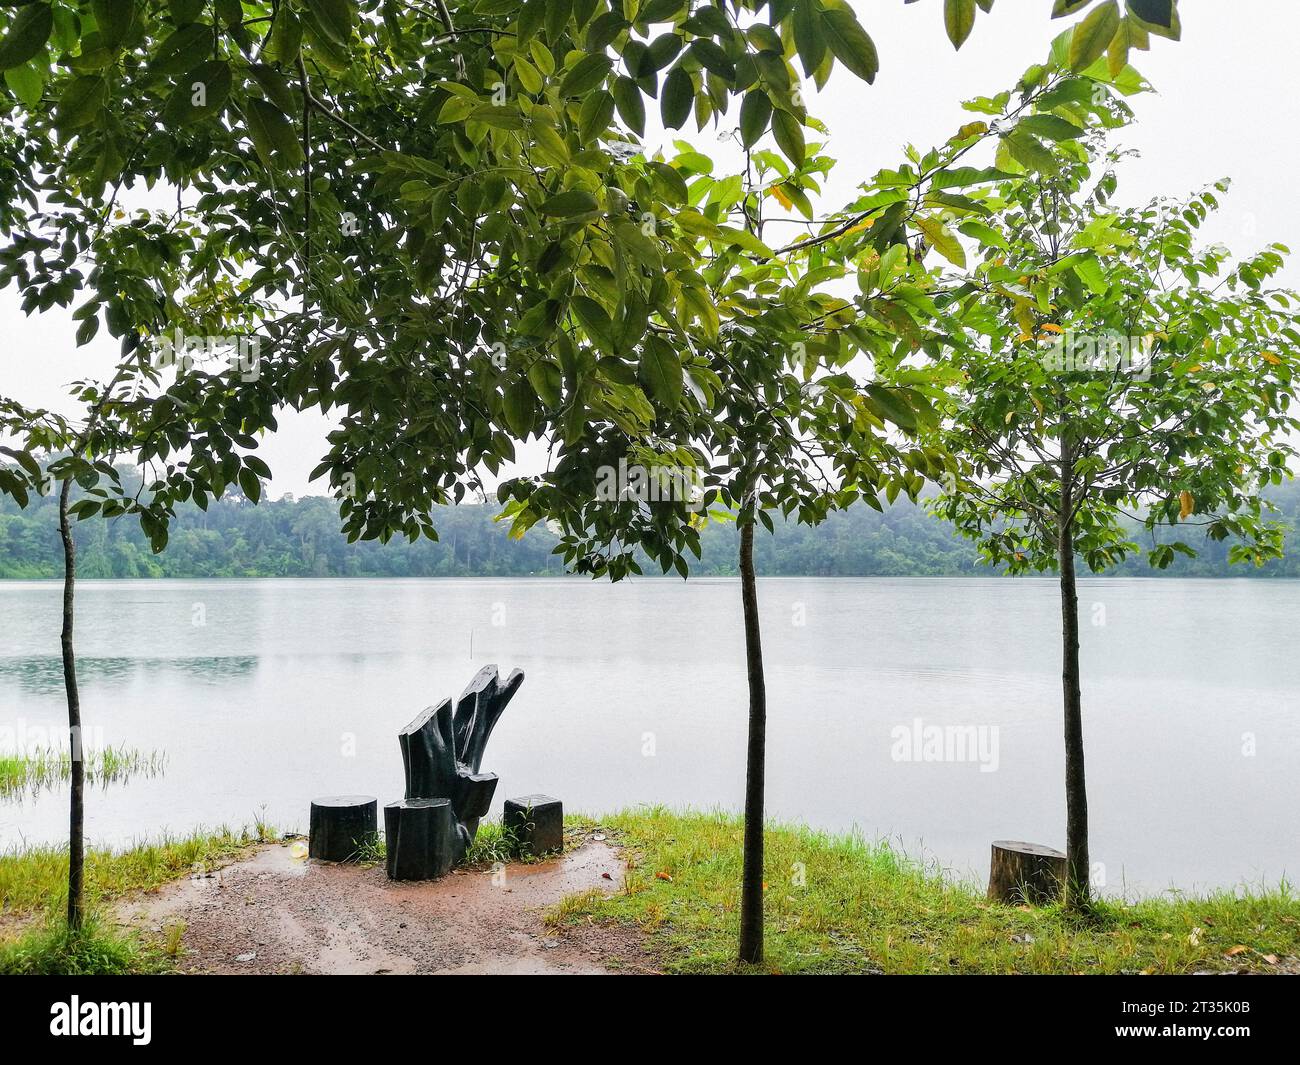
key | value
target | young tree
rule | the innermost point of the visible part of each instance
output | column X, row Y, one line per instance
column 801, row 400
column 1118, row 372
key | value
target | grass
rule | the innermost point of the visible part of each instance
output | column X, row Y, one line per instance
column 842, row 904
column 23, row 773
column 34, row 879
column 52, row 949
column 492, row 843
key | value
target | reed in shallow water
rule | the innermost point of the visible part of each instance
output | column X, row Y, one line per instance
column 29, row 773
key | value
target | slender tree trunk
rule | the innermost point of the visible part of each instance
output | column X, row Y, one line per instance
column 751, row 888
column 1076, row 794
column 76, row 811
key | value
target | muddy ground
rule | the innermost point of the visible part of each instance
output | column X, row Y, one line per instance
column 276, row 913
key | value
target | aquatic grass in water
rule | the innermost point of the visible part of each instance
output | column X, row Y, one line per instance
column 28, row 774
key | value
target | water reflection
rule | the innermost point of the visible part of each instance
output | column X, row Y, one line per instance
column 41, row 675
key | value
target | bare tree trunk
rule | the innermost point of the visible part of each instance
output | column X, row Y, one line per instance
column 76, row 812
column 751, row 887
column 1076, row 793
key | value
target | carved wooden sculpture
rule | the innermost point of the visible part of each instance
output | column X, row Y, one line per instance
column 442, row 751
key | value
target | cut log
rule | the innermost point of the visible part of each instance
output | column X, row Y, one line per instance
column 421, row 837
column 341, row 825
column 535, row 823
column 1022, row 873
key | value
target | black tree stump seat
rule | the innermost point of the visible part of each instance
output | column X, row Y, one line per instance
column 341, row 825
column 421, row 838
column 535, row 824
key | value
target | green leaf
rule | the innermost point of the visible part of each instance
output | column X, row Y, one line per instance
column 529, row 76
column 272, row 133
column 849, row 43
column 1050, row 126
column 594, row 115
column 809, row 41
column 200, row 94
column 28, row 32
column 335, row 18
column 1061, row 8
column 661, row 373
column 664, row 49
column 547, row 381
column 677, row 99
column 286, row 38
column 755, row 113
column 958, row 20
column 789, row 136
column 531, row 16
column 1154, row 12
column 713, row 59
column 572, row 202
column 1089, row 271
column 595, row 320
column 588, row 73
column 943, row 240
column 80, row 103
column 558, row 13
column 274, row 86
column 742, row 238
column 115, row 19
column 1029, row 152
column 986, row 235
column 886, row 403
column 631, row 107
column 27, row 83
column 183, row 50
column 1091, row 37
column 520, row 408
column 249, row 484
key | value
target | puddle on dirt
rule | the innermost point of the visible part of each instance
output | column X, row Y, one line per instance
column 275, row 912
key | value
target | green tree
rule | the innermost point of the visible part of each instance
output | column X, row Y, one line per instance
column 798, row 400
column 1118, row 374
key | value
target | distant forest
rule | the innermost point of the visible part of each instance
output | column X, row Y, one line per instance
column 300, row 538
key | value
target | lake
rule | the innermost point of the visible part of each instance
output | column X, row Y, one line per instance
column 926, row 711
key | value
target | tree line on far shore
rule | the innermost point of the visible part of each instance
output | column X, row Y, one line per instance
column 300, row 538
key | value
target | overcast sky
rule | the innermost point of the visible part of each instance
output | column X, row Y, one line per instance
column 1227, row 105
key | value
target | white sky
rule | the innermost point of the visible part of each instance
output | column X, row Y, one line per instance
column 1227, row 105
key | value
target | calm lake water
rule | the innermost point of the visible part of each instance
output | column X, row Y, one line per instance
column 265, row 693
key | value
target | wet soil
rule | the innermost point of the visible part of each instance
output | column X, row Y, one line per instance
column 274, row 912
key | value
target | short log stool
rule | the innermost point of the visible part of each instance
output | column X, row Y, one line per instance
column 535, row 823
column 420, row 835
column 341, row 825
column 1025, row 873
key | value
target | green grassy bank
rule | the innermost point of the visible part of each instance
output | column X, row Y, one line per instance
column 34, row 937
column 837, row 904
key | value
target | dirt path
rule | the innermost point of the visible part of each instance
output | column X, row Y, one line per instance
column 274, row 913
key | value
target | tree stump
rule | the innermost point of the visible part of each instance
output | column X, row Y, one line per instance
column 1025, row 873
column 341, row 825
column 421, row 838
column 536, row 824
